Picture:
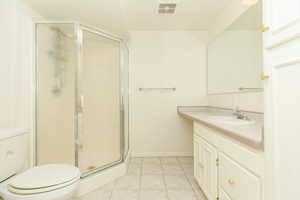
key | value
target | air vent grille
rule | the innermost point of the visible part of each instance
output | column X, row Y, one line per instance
column 167, row 6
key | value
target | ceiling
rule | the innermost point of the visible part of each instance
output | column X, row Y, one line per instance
column 123, row 15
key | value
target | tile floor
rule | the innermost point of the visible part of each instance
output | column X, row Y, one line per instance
column 165, row 178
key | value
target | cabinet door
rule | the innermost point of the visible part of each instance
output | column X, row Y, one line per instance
column 210, row 171
column 283, row 18
column 198, row 161
column 237, row 181
column 282, row 97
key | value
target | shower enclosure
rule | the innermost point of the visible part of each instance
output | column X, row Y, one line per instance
column 81, row 97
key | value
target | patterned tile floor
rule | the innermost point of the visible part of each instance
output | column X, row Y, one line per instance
column 165, row 178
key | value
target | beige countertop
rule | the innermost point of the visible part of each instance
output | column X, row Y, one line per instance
column 250, row 134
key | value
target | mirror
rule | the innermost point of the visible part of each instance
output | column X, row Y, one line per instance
column 235, row 57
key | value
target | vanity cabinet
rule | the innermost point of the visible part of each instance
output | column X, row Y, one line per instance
column 205, row 167
column 226, row 169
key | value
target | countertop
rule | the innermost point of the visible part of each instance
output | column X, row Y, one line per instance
column 250, row 134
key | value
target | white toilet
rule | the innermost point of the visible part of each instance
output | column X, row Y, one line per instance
column 47, row 182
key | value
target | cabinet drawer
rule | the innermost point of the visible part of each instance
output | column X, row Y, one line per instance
column 10, row 161
column 204, row 132
column 238, row 182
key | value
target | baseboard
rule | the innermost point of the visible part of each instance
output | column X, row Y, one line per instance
column 161, row 154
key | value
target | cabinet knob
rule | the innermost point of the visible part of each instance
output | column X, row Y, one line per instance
column 264, row 77
column 265, row 28
column 231, row 182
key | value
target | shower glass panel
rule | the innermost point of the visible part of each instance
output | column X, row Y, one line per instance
column 55, row 93
column 100, row 97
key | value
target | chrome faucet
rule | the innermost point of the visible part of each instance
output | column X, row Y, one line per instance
column 240, row 115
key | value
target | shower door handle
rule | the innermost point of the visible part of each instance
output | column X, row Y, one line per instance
column 122, row 104
column 78, row 145
column 81, row 103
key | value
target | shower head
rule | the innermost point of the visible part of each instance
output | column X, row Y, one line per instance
column 60, row 32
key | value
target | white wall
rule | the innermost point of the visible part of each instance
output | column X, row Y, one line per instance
column 16, row 61
column 8, row 53
column 250, row 101
column 165, row 59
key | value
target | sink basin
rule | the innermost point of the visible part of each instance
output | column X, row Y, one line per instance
column 230, row 120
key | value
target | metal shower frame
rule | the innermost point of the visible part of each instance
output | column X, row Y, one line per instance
column 78, row 32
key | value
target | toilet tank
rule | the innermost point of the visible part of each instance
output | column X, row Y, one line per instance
column 13, row 151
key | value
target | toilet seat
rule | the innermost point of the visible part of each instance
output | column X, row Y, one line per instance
column 64, row 193
column 44, row 179
column 41, row 190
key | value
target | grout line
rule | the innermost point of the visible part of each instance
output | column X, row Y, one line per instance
column 164, row 179
column 186, row 176
column 111, row 193
column 114, row 186
column 140, row 178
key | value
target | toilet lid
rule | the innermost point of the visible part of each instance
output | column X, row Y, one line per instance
column 43, row 190
column 45, row 176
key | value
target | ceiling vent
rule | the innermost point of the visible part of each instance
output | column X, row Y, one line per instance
column 167, row 6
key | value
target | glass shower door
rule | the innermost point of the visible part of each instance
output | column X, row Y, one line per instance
column 99, row 94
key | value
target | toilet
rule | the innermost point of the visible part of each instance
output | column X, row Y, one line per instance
column 46, row 182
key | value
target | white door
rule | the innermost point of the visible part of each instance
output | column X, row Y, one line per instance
column 282, row 97
column 210, row 171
